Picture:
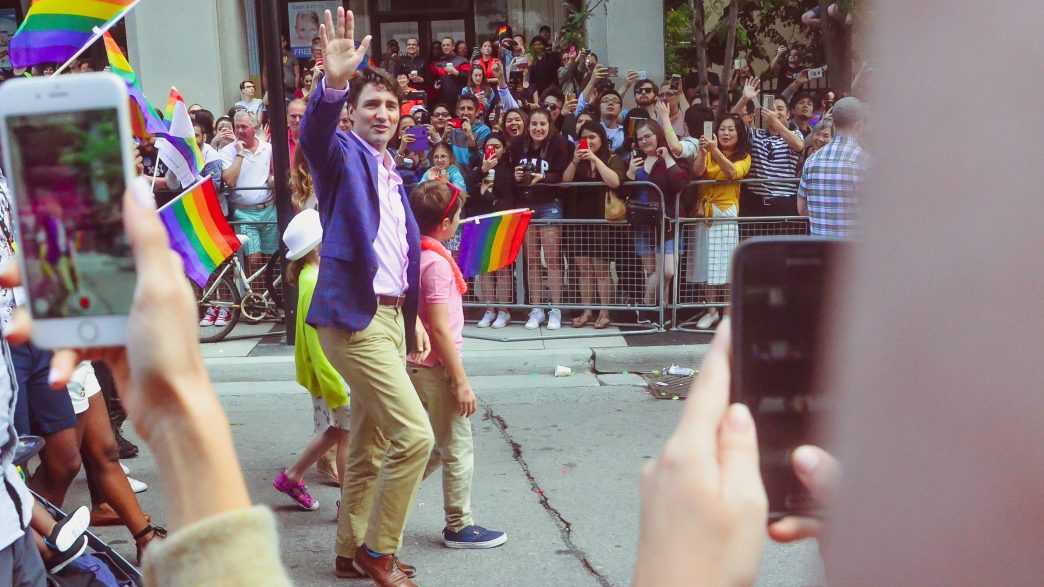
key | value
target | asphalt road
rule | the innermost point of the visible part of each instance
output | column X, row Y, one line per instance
column 557, row 465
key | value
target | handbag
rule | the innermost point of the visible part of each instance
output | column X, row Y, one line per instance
column 615, row 209
column 644, row 213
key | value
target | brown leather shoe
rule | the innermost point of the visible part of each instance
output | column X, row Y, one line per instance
column 343, row 568
column 384, row 570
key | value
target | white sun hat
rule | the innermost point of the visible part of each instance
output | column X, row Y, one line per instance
column 303, row 234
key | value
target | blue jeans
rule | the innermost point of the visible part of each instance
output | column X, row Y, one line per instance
column 548, row 211
column 40, row 410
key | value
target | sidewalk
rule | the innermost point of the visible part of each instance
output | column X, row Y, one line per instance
column 268, row 358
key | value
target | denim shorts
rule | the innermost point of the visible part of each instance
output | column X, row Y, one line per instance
column 647, row 242
column 548, row 211
column 40, row 410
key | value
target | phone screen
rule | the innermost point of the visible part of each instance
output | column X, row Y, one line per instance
column 779, row 296
column 68, row 175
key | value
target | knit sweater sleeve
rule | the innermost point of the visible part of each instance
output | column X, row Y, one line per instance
column 240, row 547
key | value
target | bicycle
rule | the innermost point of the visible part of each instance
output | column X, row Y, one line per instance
column 229, row 288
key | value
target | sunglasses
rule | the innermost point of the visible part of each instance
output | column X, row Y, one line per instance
column 551, row 106
column 644, row 90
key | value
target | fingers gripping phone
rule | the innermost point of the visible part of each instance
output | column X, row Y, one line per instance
column 67, row 155
column 779, row 296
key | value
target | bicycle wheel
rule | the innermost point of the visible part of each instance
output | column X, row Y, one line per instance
column 222, row 299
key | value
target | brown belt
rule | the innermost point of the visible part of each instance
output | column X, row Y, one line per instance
column 393, row 301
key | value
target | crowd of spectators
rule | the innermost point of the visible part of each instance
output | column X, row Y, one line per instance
column 505, row 121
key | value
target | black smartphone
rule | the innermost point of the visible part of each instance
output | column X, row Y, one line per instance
column 779, row 300
column 416, row 95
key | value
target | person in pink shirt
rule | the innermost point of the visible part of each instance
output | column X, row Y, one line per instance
column 439, row 378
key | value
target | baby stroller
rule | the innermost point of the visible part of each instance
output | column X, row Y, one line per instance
column 125, row 573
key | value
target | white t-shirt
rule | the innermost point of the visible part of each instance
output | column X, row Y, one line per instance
column 254, row 172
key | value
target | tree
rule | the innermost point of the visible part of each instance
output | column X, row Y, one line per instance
column 837, row 44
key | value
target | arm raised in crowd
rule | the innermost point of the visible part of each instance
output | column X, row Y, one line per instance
column 663, row 116
column 340, row 60
column 749, row 93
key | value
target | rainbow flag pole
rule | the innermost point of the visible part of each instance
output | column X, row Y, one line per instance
column 198, row 230
column 98, row 32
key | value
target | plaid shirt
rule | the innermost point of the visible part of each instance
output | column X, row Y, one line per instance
column 830, row 183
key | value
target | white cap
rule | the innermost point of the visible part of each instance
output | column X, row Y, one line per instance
column 303, row 234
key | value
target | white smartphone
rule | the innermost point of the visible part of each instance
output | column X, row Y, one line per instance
column 67, row 155
column 642, row 75
column 767, row 100
column 739, row 63
column 708, row 129
column 815, row 73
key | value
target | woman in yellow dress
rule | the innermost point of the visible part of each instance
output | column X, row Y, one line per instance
column 724, row 157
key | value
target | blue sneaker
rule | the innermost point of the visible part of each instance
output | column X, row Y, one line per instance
column 473, row 537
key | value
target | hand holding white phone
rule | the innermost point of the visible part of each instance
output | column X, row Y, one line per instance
column 67, row 151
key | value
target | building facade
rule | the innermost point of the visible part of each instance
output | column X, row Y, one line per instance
column 207, row 47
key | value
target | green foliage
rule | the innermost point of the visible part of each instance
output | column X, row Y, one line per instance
column 757, row 25
column 574, row 31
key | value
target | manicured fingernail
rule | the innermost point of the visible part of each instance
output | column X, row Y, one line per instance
column 739, row 418
column 143, row 193
column 806, row 459
column 52, row 376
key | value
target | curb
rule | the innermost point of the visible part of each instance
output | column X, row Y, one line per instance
column 492, row 363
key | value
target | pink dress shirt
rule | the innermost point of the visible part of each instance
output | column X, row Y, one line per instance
column 390, row 246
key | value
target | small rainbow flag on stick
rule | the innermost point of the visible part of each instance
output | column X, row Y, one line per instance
column 55, row 31
column 492, row 241
column 198, row 231
column 144, row 122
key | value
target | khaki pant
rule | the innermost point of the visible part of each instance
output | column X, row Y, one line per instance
column 391, row 436
column 454, row 448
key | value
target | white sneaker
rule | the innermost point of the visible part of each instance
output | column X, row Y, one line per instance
column 554, row 319
column 223, row 317
column 536, row 317
column 126, row 469
column 502, row 319
column 487, row 319
column 137, row 486
column 209, row 317
column 707, row 320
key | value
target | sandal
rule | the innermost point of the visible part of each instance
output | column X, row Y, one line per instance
column 603, row 320
column 141, row 542
column 582, row 320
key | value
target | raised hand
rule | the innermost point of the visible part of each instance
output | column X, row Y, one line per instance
column 663, row 111
column 750, row 88
column 340, row 56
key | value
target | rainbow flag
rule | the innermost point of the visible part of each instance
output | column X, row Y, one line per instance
column 177, row 147
column 55, row 30
column 198, row 231
column 144, row 122
column 492, row 241
column 503, row 32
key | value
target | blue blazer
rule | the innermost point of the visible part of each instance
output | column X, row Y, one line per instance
column 345, row 177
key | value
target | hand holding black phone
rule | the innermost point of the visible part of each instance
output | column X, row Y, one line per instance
column 779, row 299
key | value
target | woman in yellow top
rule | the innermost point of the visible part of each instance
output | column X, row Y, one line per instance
column 330, row 394
column 724, row 157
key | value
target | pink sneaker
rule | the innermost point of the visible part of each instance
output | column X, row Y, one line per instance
column 297, row 491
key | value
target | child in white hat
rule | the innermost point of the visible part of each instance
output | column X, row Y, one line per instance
column 330, row 395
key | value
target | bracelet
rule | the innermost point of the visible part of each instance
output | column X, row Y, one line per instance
column 669, row 130
column 239, row 154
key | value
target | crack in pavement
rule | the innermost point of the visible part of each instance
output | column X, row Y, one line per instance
column 565, row 527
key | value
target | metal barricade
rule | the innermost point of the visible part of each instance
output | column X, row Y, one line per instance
column 596, row 261
column 705, row 253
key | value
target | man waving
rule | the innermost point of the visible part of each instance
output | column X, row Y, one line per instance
column 365, row 303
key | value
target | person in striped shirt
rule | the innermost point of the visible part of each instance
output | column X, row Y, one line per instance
column 831, row 181
column 774, row 152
